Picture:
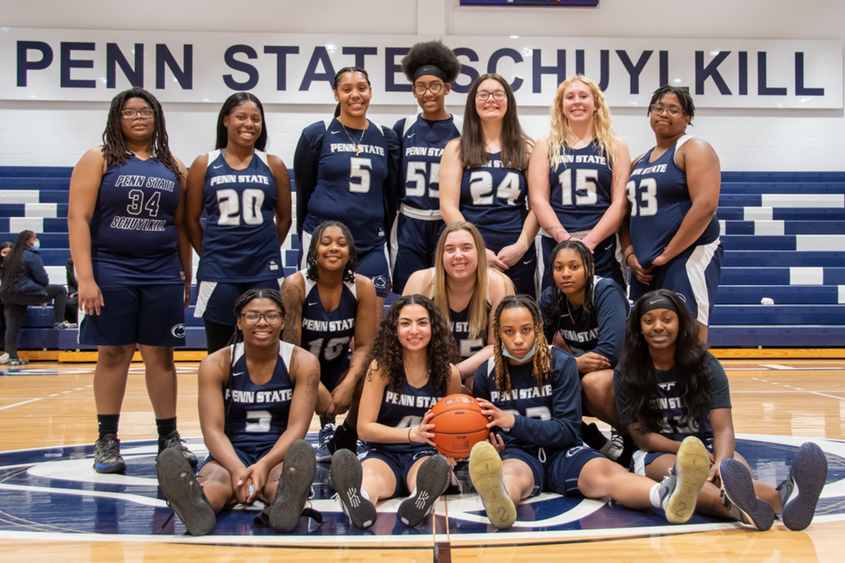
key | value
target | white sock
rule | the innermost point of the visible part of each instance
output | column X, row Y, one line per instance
column 654, row 496
column 413, row 493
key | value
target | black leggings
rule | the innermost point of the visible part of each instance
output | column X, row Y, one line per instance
column 217, row 335
column 15, row 311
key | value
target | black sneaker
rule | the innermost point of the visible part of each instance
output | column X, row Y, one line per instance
column 800, row 492
column 346, row 480
column 431, row 480
column 294, row 487
column 182, row 491
column 175, row 442
column 107, row 458
column 739, row 498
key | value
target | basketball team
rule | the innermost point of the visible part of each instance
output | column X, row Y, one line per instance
column 443, row 211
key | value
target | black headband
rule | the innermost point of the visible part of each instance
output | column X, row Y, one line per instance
column 430, row 70
column 659, row 302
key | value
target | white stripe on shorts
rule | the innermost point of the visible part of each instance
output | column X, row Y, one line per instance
column 698, row 262
column 305, row 241
column 639, row 462
column 203, row 295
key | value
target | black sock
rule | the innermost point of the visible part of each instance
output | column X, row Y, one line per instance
column 107, row 424
column 325, row 420
column 166, row 427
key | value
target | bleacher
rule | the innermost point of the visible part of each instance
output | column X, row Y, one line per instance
column 784, row 237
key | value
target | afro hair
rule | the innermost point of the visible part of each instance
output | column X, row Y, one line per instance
column 431, row 53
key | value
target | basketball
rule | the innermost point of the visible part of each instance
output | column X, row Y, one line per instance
column 458, row 425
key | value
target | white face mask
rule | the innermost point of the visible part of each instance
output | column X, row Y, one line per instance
column 36, row 245
column 527, row 357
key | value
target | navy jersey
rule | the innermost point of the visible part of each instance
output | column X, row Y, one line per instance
column 406, row 409
column 549, row 417
column 670, row 390
column 256, row 415
column 493, row 199
column 240, row 242
column 459, row 323
column 133, row 236
column 349, row 187
column 326, row 334
column 422, row 143
column 602, row 330
column 580, row 187
column 660, row 200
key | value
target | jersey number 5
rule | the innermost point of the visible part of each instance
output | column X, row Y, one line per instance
column 416, row 177
column 647, row 200
column 360, row 168
column 230, row 210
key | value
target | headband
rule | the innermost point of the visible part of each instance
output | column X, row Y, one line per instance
column 659, row 302
column 430, row 70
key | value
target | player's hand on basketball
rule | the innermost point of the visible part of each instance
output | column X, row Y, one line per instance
column 591, row 362
column 497, row 441
column 451, row 460
column 494, row 261
column 90, row 297
column 497, row 417
column 511, row 254
column 424, row 433
column 643, row 275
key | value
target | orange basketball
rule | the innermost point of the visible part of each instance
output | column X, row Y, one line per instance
column 458, row 425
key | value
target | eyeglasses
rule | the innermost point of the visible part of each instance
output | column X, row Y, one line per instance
column 420, row 89
column 482, row 95
column 252, row 317
column 674, row 111
column 131, row 113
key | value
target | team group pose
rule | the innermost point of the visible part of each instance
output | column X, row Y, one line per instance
column 453, row 196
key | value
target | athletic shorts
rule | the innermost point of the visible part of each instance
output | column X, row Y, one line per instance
column 216, row 300
column 693, row 275
column 373, row 264
column 523, row 274
column 332, row 372
column 413, row 244
column 152, row 315
column 247, row 457
column 564, row 469
column 642, row 459
column 607, row 259
column 399, row 463
column 532, row 462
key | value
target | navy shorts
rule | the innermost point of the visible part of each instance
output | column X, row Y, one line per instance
column 372, row 264
column 607, row 258
column 565, row 468
column 151, row 315
column 532, row 462
column 399, row 463
column 413, row 245
column 332, row 372
column 216, row 300
column 247, row 457
column 642, row 459
column 523, row 274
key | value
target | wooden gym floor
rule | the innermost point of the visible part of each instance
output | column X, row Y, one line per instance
column 54, row 507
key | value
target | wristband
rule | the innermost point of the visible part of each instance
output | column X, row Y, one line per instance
column 628, row 256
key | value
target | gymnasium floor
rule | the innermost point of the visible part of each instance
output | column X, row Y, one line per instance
column 54, row 507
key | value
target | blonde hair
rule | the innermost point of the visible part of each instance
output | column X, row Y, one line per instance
column 560, row 128
column 478, row 302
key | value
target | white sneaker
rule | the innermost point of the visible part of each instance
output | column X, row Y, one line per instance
column 4, row 359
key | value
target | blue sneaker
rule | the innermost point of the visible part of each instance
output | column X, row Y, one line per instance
column 326, row 434
column 800, row 492
column 739, row 498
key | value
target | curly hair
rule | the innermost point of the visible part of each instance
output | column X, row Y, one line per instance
column 638, row 368
column 561, row 129
column 313, row 269
column 683, row 95
column 114, row 145
column 560, row 303
column 472, row 149
column 542, row 364
column 431, row 53
column 12, row 263
column 441, row 351
column 236, row 100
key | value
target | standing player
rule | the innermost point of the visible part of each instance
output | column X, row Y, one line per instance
column 347, row 171
column 577, row 177
column 256, row 400
column 671, row 237
column 133, row 263
column 430, row 67
column 409, row 372
column 465, row 291
column 530, row 393
column 242, row 190
column 482, row 180
column 327, row 306
column 670, row 388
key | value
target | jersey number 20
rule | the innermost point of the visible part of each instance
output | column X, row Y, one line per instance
column 228, row 205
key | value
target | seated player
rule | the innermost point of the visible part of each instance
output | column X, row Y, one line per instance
column 588, row 313
column 327, row 305
column 409, row 371
column 465, row 290
column 256, row 400
column 669, row 388
column 530, row 393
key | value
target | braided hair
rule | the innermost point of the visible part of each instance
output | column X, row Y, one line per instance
column 114, row 145
column 313, row 269
column 560, row 303
column 542, row 363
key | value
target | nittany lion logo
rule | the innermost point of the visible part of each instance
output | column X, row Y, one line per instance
column 380, row 282
column 178, row 330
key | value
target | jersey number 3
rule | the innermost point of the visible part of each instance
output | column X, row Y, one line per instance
column 643, row 200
